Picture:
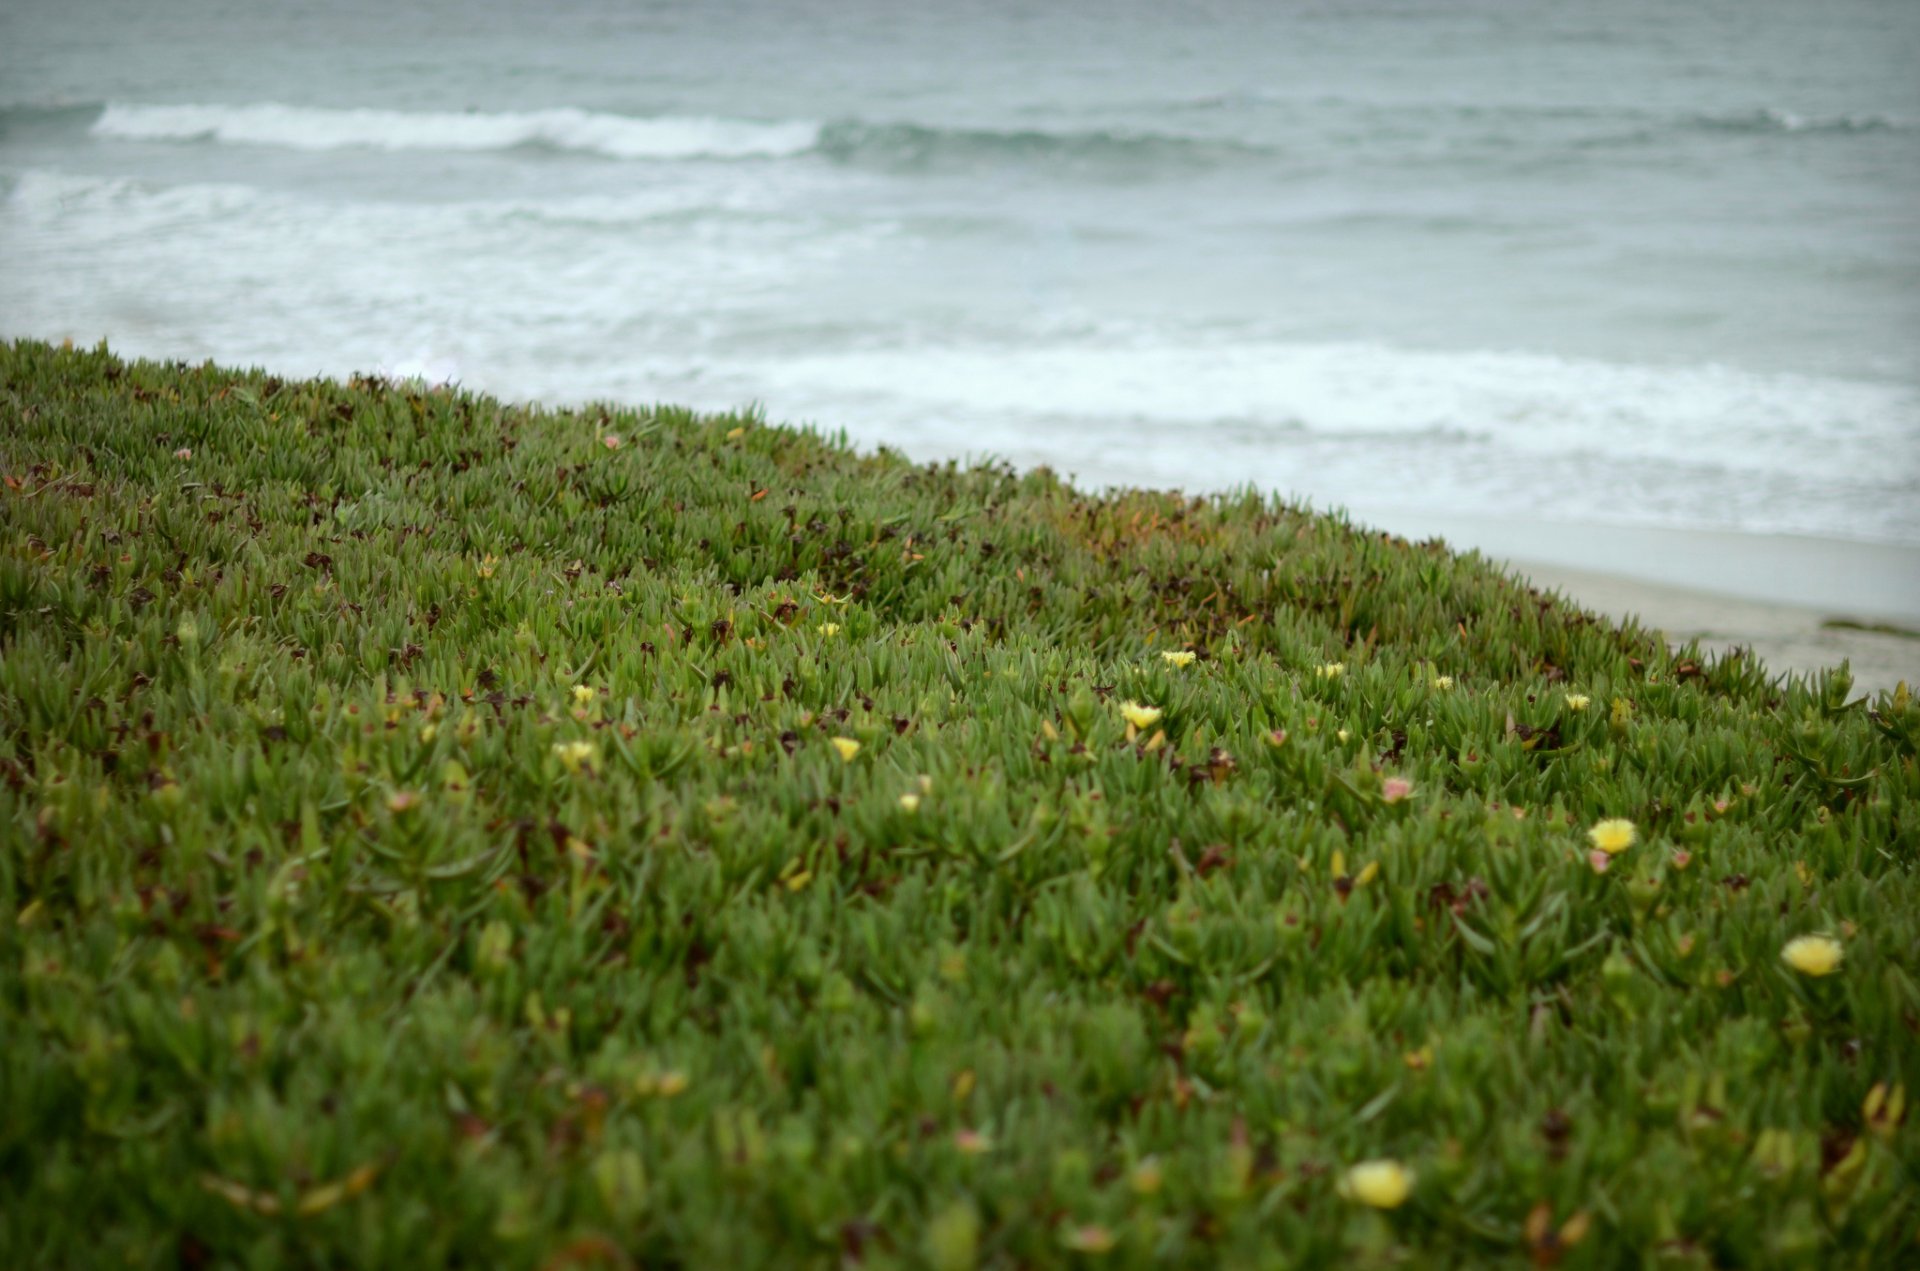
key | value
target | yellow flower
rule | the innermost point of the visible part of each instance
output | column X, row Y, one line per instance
column 829, row 628
column 574, row 755
column 1613, row 836
column 847, row 747
column 1381, row 1184
column 1884, row 1109
column 485, row 567
column 1442, row 683
column 1140, row 716
column 1330, row 670
column 1813, row 955
column 582, row 695
column 909, row 803
column 1578, row 701
column 1179, row 657
column 428, row 732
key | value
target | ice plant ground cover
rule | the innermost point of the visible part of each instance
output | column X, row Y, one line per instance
column 432, row 834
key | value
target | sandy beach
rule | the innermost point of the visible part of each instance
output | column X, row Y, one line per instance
column 1799, row 603
column 1787, row 638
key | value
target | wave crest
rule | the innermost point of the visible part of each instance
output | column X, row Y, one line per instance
column 566, row 129
column 885, row 145
column 916, row 145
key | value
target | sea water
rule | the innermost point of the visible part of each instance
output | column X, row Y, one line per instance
column 1623, row 262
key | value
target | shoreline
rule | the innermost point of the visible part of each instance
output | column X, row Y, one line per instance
column 1800, row 604
column 1788, row 639
column 1865, row 582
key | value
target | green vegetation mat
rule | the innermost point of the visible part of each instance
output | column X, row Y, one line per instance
column 438, row 831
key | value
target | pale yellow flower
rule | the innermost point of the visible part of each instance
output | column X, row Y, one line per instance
column 1883, row 1110
column 1442, row 683
column 909, row 803
column 1613, row 836
column 829, row 628
column 582, row 695
column 1381, row 1184
column 574, row 755
column 847, row 747
column 1140, row 716
column 1813, row 955
column 1578, row 701
column 1330, row 670
column 1179, row 657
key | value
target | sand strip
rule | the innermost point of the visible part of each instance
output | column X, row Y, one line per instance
column 1786, row 638
column 1799, row 603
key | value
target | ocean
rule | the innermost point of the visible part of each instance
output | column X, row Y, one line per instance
column 1617, row 263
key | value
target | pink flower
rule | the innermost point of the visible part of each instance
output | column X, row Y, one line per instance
column 1394, row 789
column 1600, row 861
column 611, row 441
column 183, row 453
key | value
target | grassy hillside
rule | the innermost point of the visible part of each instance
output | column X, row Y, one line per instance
column 439, row 831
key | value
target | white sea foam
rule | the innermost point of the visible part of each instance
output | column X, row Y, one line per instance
column 311, row 128
column 40, row 195
column 1522, row 404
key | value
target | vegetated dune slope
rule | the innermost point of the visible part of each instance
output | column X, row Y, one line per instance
column 437, row 830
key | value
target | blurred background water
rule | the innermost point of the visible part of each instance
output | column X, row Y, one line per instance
column 1620, row 263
